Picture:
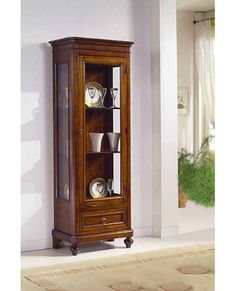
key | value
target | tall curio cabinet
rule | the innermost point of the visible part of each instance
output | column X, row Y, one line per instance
column 92, row 190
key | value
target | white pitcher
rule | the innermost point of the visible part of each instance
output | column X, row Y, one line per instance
column 113, row 140
column 96, row 139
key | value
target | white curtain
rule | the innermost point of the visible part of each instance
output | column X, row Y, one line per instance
column 204, row 55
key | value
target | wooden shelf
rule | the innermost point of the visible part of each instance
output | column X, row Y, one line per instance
column 114, row 196
column 102, row 108
column 101, row 153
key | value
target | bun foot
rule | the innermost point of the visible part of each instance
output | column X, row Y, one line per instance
column 57, row 243
column 74, row 249
column 128, row 242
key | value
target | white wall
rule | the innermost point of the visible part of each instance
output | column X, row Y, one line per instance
column 47, row 20
column 185, row 60
column 164, row 118
column 153, row 113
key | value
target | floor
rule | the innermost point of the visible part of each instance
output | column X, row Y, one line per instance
column 196, row 217
column 107, row 249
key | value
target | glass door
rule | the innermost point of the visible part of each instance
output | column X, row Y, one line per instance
column 104, row 134
column 62, row 138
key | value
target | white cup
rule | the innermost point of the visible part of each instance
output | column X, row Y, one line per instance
column 113, row 140
column 96, row 140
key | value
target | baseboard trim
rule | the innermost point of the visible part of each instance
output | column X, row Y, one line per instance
column 36, row 244
column 165, row 231
column 142, row 231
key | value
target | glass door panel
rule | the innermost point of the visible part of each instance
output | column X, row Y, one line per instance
column 62, row 130
column 102, row 131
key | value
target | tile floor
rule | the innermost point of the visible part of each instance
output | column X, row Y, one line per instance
column 107, row 249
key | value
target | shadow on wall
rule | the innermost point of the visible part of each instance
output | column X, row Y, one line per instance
column 36, row 142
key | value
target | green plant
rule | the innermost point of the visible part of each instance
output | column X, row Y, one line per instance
column 197, row 174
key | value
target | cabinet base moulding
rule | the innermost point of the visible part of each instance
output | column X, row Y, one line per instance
column 59, row 236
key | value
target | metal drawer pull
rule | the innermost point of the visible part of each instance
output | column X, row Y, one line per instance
column 81, row 131
column 103, row 220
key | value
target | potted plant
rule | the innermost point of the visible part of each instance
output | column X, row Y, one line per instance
column 197, row 176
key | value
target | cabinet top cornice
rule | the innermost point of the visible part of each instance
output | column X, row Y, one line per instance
column 77, row 41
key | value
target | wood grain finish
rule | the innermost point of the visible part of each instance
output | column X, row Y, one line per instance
column 82, row 219
column 97, row 222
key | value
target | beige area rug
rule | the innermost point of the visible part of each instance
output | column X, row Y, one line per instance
column 181, row 269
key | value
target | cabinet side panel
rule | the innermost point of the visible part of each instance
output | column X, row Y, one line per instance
column 62, row 143
column 128, row 139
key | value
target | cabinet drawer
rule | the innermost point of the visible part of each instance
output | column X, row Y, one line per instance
column 98, row 222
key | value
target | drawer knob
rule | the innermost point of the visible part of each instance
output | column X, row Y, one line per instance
column 103, row 220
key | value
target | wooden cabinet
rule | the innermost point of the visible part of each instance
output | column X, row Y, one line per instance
column 82, row 66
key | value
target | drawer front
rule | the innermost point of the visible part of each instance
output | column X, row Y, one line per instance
column 91, row 222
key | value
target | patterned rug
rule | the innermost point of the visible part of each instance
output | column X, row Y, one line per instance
column 181, row 269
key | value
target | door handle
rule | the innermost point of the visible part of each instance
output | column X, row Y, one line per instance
column 103, row 220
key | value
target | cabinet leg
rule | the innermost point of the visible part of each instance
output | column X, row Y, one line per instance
column 56, row 243
column 128, row 242
column 74, row 249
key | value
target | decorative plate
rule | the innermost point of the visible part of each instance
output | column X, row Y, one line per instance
column 97, row 188
column 93, row 94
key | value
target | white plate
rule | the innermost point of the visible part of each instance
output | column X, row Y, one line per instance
column 96, row 101
column 98, row 188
